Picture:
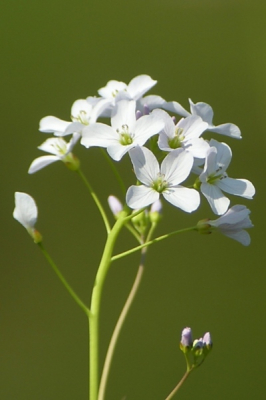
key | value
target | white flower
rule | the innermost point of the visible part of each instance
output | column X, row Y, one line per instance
column 60, row 150
column 233, row 223
column 204, row 111
column 83, row 113
column 26, row 213
column 175, row 169
column 215, row 180
column 125, row 131
column 186, row 134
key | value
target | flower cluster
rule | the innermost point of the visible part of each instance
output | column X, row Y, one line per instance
column 163, row 152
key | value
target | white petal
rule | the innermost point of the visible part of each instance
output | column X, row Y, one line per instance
column 124, row 113
column 169, row 126
column 210, row 165
column 241, row 236
column 176, row 166
column 81, row 106
column 146, row 127
column 224, row 154
column 52, row 124
column 238, row 187
column 72, row 142
column 228, row 129
column 111, row 89
column 25, row 210
column 193, row 126
column 151, row 102
column 118, row 151
column 175, row 107
column 218, row 202
column 163, row 142
column 203, row 110
column 141, row 196
column 145, row 165
column 198, row 147
column 74, row 127
column 186, row 199
column 42, row 162
column 234, row 216
column 140, row 85
column 99, row 134
column 56, row 146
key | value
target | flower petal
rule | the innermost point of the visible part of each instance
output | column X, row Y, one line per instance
column 238, row 187
column 218, row 202
column 228, row 129
column 124, row 113
column 203, row 110
column 140, row 85
column 145, row 165
column 25, row 210
column 176, row 166
column 99, row 134
column 42, row 162
column 52, row 124
column 241, row 236
column 141, row 196
column 186, row 199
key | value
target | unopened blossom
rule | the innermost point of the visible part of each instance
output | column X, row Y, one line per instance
column 186, row 338
column 60, row 150
column 204, row 111
column 83, row 113
column 125, row 131
column 26, row 213
column 214, row 180
column 233, row 224
column 185, row 134
column 166, row 180
column 115, row 205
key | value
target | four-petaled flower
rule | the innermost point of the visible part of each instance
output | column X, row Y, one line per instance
column 175, row 169
column 125, row 131
column 214, row 179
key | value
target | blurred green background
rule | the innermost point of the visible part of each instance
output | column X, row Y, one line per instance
column 54, row 52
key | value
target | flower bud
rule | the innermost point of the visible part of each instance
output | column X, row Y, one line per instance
column 115, row 205
column 186, row 340
column 156, row 211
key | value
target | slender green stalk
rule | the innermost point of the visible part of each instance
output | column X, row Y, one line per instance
column 178, row 386
column 115, row 171
column 146, row 244
column 96, row 302
column 122, row 318
column 134, row 232
column 64, row 282
column 96, row 200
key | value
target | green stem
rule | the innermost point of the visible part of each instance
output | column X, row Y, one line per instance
column 96, row 200
column 115, row 171
column 146, row 244
column 96, row 302
column 64, row 282
column 178, row 386
column 122, row 318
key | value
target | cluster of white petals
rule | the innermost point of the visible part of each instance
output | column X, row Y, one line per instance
column 172, row 149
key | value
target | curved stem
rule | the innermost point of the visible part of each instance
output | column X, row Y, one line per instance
column 96, row 200
column 64, row 282
column 178, row 386
column 96, row 302
column 115, row 171
column 150, row 242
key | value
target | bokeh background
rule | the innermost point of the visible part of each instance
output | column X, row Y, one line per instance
column 54, row 52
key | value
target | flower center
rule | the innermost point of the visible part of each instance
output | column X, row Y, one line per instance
column 82, row 117
column 175, row 142
column 160, row 185
column 216, row 176
column 126, row 138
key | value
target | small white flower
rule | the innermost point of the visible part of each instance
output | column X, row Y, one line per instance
column 233, row 224
column 215, row 180
column 83, row 113
column 186, row 134
column 204, row 111
column 26, row 213
column 125, row 131
column 175, row 169
column 60, row 150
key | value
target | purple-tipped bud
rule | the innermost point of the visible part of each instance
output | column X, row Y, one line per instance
column 146, row 110
column 115, row 205
column 174, row 119
column 207, row 339
column 186, row 337
column 157, row 206
column 138, row 114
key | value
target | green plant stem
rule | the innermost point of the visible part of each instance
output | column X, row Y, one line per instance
column 115, row 171
column 64, row 282
column 96, row 302
column 122, row 318
column 178, row 386
column 146, row 244
column 96, row 200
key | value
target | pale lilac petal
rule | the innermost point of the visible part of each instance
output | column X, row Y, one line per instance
column 198, row 147
column 52, row 124
column 99, row 134
column 124, row 113
column 228, row 129
column 203, row 110
column 146, row 127
column 193, row 126
column 169, row 126
column 145, row 165
column 224, row 154
column 42, row 162
column 210, row 164
column 236, row 215
column 25, row 210
column 163, row 142
column 176, row 166
column 186, row 199
column 141, row 196
column 151, row 102
column 140, row 85
column 238, row 187
column 217, row 200
column 241, row 236
column 175, row 107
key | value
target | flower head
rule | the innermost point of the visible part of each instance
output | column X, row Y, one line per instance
column 175, row 169
column 26, row 213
